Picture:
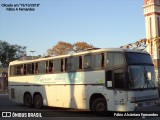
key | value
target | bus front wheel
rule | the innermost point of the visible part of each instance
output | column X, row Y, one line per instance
column 38, row 101
column 28, row 99
column 99, row 106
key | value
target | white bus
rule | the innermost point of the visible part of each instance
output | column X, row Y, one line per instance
column 98, row 80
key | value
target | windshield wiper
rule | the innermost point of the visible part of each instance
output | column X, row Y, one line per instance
column 152, row 84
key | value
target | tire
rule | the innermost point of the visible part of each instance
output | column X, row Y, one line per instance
column 38, row 101
column 99, row 106
column 28, row 100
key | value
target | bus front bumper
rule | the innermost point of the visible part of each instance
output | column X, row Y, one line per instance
column 153, row 105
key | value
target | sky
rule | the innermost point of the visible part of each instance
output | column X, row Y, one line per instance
column 102, row 23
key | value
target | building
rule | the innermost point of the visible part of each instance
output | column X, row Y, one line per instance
column 29, row 57
column 152, row 22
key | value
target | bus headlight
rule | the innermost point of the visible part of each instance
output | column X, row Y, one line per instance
column 133, row 99
column 157, row 101
column 138, row 104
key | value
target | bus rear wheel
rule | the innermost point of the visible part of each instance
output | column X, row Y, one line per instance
column 99, row 106
column 38, row 102
column 28, row 99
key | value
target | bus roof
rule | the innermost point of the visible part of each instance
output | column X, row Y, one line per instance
column 79, row 53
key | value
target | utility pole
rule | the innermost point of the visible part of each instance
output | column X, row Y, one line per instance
column 32, row 51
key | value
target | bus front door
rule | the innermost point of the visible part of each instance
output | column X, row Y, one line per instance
column 120, row 100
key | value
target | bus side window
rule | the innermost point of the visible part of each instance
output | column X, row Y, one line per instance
column 118, row 59
column 98, row 61
column 24, row 70
column 110, row 59
column 29, row 69
column 73, row 63
column 12, row 70
column 32, row 68
column 87, row 62
column 42, row 67
column 115, row 59
column 62, row 65
column 47, row 67
column 19, row 69
column 68, row 64
column 51, row 68
column 36, row 68
column 78, row 63
column 58, row 66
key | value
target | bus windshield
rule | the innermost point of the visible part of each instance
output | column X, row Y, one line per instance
column 141, row 70
column 139, row 78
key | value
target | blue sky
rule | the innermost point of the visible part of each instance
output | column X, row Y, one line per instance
column 102, row 23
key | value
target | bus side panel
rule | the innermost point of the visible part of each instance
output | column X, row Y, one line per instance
column 70, row 90
column 68, row 96
column 76, row 92
column 15, row 94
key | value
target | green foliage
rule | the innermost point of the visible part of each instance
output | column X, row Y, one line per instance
column 9, row 53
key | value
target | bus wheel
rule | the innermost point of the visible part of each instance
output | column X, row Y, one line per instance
column 99, row 106
column 28, row 99
column 38, row 102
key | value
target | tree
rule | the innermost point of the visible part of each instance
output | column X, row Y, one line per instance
column 9, row 53
column 62, row 48
column 81, row 46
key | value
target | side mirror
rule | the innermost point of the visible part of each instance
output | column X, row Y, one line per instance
column 148, row 75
